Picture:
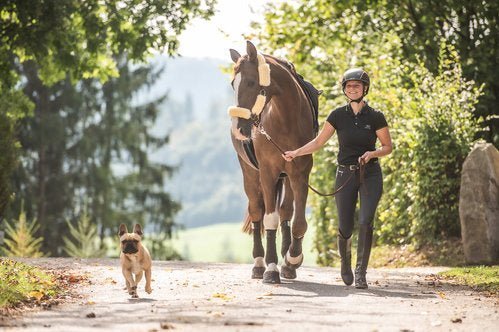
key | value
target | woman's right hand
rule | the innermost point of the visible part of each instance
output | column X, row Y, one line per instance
column 290, row 155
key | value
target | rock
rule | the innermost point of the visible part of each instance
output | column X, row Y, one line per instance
column 479, row 205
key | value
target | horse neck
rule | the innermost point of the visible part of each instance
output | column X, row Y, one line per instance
column 290, row 104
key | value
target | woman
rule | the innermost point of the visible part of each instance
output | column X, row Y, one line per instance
column 358, row 127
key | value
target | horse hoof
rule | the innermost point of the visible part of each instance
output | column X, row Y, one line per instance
column 293, row 265
column 257, row 272
column 288, row 272
column 271, row 277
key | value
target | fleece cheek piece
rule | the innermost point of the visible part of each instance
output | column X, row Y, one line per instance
column 263, row 71
column 239, row 112
column 259, row 104
column 264, row 74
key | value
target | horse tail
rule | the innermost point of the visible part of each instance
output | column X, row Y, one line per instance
column 279, row 197
column 247, row 224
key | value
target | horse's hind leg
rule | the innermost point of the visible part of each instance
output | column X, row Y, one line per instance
column 258, row 251
column 285, row 214
column 294, row 256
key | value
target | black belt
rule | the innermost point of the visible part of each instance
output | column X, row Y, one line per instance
column 356, row 166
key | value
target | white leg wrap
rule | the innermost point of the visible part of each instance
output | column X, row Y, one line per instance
column 259, row 262
column 272, row 267
column 271, row 221
column 294, row 260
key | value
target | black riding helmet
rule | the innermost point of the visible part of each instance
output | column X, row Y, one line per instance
column 356, row 74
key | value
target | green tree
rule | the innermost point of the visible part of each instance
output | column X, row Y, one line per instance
column 75, row 40
column 84, row 242
column 93, row 140
column 472, row 27
column 22, row 241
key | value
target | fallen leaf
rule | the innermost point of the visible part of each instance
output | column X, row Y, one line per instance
column 166, row 326
column 222, row 296
column 36, row 294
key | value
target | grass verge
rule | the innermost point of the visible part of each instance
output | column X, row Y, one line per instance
column 21, row 283
column 23, row 286
column 481, row 278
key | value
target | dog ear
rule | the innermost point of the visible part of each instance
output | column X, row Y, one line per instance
column 137, row 229
column 122, row 230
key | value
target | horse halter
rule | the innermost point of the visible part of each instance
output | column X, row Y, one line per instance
column 263, row 80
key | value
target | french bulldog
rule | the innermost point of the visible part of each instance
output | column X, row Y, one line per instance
column 135, row 259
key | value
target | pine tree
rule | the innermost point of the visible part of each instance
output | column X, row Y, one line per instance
column 22, row 241
column 93, row 140
column 85, row 239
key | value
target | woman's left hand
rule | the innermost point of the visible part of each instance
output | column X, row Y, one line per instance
column 364, row 159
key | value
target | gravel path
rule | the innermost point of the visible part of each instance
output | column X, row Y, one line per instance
column 222, row 297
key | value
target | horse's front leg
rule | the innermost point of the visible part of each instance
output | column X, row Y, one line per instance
column 269, row 183
column 294, row 256
column 254, row 218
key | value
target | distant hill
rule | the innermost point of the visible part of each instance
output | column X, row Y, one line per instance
column 208, row 182
column 202, row 79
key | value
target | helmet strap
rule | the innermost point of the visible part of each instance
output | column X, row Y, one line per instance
column 358, row 100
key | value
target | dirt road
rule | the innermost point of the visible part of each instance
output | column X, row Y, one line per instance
column 222, row 297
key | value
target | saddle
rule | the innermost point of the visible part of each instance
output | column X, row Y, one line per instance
column 311, row 92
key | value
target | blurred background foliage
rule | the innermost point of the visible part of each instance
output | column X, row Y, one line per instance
column 70, row 134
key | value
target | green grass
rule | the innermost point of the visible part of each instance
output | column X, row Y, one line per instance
column 483, row 278
column 227, row 243
column 22, row 283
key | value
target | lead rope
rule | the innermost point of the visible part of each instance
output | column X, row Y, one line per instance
column 360, row 166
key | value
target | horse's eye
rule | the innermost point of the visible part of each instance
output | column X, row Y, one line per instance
column 251, row 84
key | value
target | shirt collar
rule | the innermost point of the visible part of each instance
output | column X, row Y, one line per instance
column 364, row 110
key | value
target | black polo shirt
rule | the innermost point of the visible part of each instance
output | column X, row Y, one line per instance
column 356, row 133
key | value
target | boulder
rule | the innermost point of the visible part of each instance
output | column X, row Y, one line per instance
column 479, row 205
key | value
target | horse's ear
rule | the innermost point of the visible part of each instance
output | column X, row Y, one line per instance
column 234, row 55
column 251, row 50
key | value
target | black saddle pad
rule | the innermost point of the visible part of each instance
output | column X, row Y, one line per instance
column 313, row 97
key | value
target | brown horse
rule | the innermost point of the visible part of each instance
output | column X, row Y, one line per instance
column 271, row 104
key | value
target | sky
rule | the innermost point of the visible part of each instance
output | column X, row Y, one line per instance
column 225, row 30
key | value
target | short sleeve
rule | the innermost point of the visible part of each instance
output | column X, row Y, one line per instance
column 379, row 121
column 332, row 119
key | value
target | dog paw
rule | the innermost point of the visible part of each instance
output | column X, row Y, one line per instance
column 148, row 290
column 135, row 296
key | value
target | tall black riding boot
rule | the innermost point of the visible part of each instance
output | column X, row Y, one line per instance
column 363, row 253
column 345, row 249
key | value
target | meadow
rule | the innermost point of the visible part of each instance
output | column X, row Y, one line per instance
column 227, row 243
